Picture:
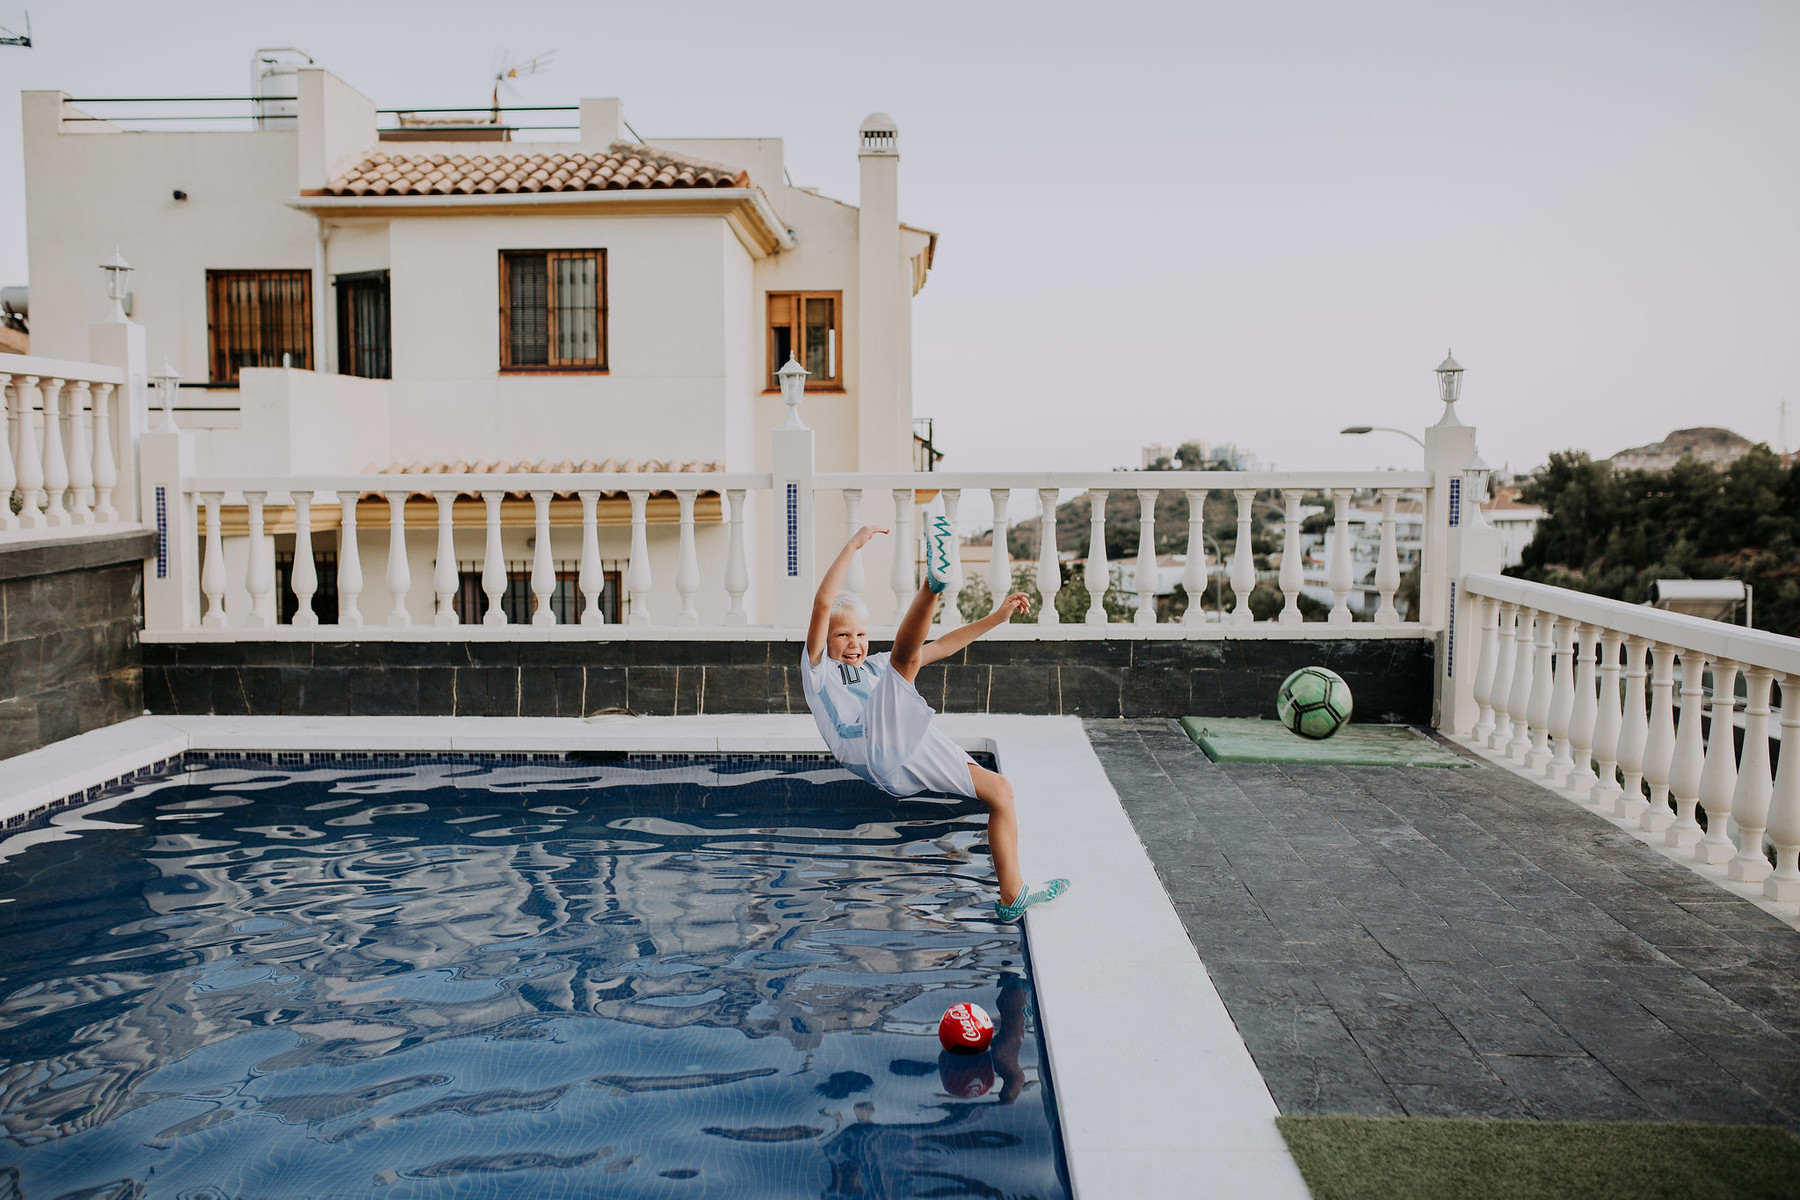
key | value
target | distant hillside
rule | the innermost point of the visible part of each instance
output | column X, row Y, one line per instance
column 1704, row 443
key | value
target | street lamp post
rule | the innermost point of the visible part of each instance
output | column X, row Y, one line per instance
column 1359, row 429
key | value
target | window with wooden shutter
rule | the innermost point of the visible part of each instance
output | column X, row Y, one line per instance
column 258, row 319
column 553, row 310
column 364, row 325
column 807, row 326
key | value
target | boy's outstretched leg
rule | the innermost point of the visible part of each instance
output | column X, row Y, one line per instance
column 909, row 639
column 992, row 790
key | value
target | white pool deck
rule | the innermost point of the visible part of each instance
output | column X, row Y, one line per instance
column 1156, row 1091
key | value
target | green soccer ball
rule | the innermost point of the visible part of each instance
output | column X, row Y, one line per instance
column 1313, row 702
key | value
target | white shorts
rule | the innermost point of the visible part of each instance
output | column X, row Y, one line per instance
column 907, row 753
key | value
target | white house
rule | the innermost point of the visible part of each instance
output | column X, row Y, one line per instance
column 353, row 297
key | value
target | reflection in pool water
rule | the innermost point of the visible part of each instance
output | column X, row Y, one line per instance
column 536, row 977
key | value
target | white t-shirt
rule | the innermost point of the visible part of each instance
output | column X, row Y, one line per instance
column 837, row 693
column 880, row 728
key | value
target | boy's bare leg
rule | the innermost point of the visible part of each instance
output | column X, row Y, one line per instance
column 909, row 639
column 1003, row 829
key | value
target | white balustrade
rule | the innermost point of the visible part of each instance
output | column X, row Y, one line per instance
column 1518, row 702
column 1387, row 563
column 543, row 565
column 1690, row 754
column 1293, row 570
column 443, row 575
column 1537, row 712
column 399, row 574
column 1562, row 701
column 737, row 568
column 901, row 573
column 1338, row 573
column 952, row 498
column 1634, row 734
column 590, row 576
column 1659, row 742
column 106, row 467
column 637, row 571
column 1750, row 797
column 9, row 474
column 853, row 522
column 1484, row 671
column 1097, row 573
column 212, row 570
column 1193, row 572
column 1504, row 640
column 306, row 575
column 1243, row 559
column 687, row 562
column 27, row 456
column 1146, row 576
column 1583, row 715
column 1718, row 779
column 349, row 575
column 1608, row 724
column 1049, row 568
column 56, row 465
column 81, row 454
column 493, row 562
column 1783, row 883
column 999, row 551
column 259, row 570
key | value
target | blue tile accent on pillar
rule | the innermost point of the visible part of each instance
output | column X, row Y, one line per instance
column 1450, row 634
column 1455, row 503
column 793, row 530
column 162, row 531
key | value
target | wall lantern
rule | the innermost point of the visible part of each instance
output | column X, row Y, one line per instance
column 167, row 382
column 116, row 269
column 1449, row 373
column 793, row 389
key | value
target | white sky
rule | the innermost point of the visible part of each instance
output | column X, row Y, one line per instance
column 1255, row 222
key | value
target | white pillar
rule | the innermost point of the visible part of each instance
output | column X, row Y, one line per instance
column 1049, row 570
column 1584, row 715
column 737, row 568
column 1488, row 652
column 212, row 571
column 900, row 574
column 1562, row 700
column 1604, row 791
column 854, row 577
column 1243, row 560
column 999, row 553
column 543, row 566
column 1718, row 778
column 443, row 575
column 1097, row 573
column 1194, row 570
column 493, row 562
column 1659, row 740
column 399, row 573
column 1750, row 800
column 350, row 579
column 1689, row 759
column 637, row 572
column 1293, row 571
column 1387, row 563
column 591, row 576
column 1537, row 712
column 81, row 454
column 28, row 457
column 1634, row 735
column 1505, row 638
column 56, row 466
column 793, row 527
column 1338, row 571
column 259, row 570
column 9, row 475
column 171, row 578
column 305, row 575
column 1146, row 558
column 1783, row 884
column 687, row 562
column 1518, row 701
column 106, row 468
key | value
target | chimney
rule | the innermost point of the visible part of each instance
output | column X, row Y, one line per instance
column 336, row 125
column 602, row 123
column 884, row 432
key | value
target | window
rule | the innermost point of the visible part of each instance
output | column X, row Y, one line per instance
column 806, row 325
column 258, row 319
column 553, row 310
column 364, row 325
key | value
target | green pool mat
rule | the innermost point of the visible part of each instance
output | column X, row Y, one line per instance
column 1227, row 739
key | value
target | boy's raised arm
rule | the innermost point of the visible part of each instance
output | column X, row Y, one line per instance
column 962, row 635
column 829, row 586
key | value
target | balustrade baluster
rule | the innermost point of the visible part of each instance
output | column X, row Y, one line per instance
column 999, row 552
column 443, row 575
column 493, row 562
column 737, row 570
column 56, row 465
column 1783, row 883
column 1097, row 574
column 902, row 579
column 1634, row 734
column 1387, row 562
column 543, row 566
column 853, row 523
column 953, row 588
column 1690, row 754
column 1750, row 799
column 1718, row 778
column 1049, row 568
column 28, row 457
column 106, row 467
column 1608, row 724
column 591, row 576
column 1504, row 640
column 305, row 577
column 637, row 572
column 1659, row 742
column 259, row 568
column 1146, row 579
column 81, row 455
column 1537, row 711
column 687, row 562
column 1562, row 700
column 1583, row 715
column 1338, row 573
column 399, row 572
column 350, row 577
column 1518, row 700
column 1485, row 654
column 1293, row 570
column 212, row 572
column 1243, row 559
column 9, row 474
column 1194, row 571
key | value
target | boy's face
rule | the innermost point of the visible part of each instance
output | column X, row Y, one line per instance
column 847, row 638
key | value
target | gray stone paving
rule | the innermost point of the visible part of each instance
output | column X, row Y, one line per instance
column 1410, row 941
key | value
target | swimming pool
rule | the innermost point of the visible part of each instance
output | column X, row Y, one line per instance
column 631, row 975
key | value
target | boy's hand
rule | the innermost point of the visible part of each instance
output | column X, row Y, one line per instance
column 865, row 535
column 1018, row 602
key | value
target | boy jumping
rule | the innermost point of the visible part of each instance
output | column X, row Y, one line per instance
column 879, row 727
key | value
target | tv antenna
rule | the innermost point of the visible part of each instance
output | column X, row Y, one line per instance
column 508, row 69
column 10, row 34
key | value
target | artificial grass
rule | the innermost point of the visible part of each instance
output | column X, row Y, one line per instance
column 1238, row 740
column 1424, row 1158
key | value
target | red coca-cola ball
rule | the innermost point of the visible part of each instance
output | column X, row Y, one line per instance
column 966, row 1029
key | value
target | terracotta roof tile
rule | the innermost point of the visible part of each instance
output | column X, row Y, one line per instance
column 611, row 466
column 626, row 165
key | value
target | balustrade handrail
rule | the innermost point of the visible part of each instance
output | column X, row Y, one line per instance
column 60, row 368
column 1130, row 480
column 425, row 483
column 1711, row 638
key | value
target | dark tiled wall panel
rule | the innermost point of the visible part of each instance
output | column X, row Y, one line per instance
column 69, row 620
column 1390, row 677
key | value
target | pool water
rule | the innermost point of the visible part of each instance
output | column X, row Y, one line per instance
column 621, row 976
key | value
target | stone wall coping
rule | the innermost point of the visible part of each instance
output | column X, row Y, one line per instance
column 1262, row 632
column 74, row 552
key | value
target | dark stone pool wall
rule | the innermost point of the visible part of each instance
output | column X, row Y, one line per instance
column 70, row 611
column 1390, row 677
